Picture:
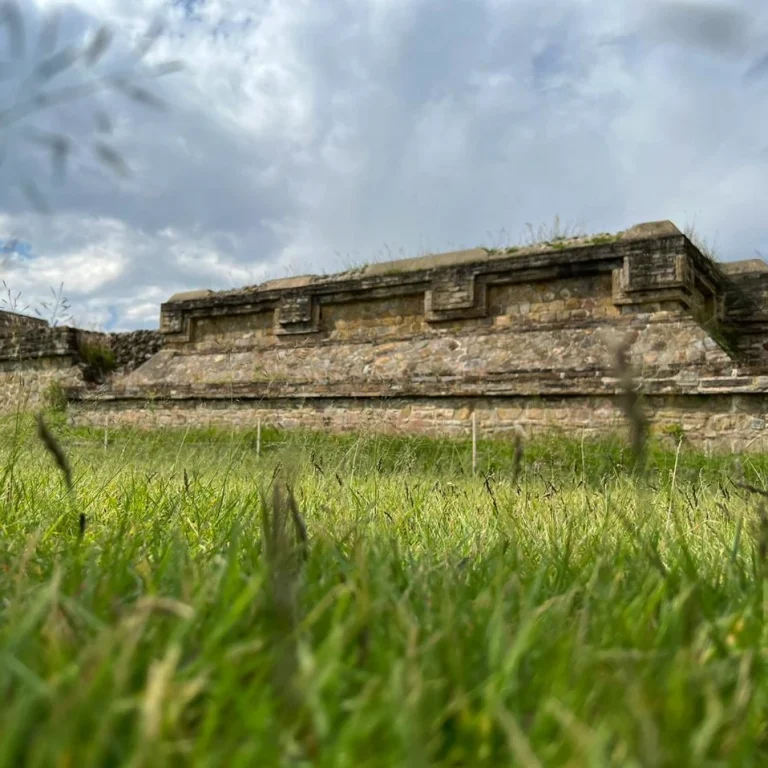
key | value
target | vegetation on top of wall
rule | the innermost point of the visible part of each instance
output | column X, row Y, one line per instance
column 557, row 235
column 707, row 249
column 604, row 238
column 98, row 360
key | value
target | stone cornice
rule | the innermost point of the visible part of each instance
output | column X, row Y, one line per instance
column 651, row 264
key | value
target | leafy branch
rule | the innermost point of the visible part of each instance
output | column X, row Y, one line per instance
column 37, row 93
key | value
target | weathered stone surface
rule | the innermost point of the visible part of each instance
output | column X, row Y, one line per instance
column 11, row 322
column 134, row 348
column 35, row 356
column 708, row 422
column 524, row 338
column 26, row 384
column 744, row 266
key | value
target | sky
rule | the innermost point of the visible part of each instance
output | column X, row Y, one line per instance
column 314, row 135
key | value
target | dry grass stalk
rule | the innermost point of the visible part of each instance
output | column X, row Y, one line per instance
column 54, row 448
column 489, row 491
column 284, row 555
column 762, row 534
column 631, row 403
column 517, row 458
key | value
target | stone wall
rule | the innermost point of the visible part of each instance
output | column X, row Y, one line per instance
column 526, row 338
column 27, row 385
column 508, row 359
column 38, row 361
column 133, row 348
column 11, row 322
column 712, row 422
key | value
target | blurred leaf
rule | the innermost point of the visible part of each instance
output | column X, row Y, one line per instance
column 59, row 163
column 149, row 39
column 35, row 197
column 110, row 157
column 143, row 96
column 137, row 93
column 35, row 94
column 103, row 122
column 98, row 47
column 10, row 16
column 56, row 63
column 49, row 33
column 757, row 71
column 117, row 81
column 68, row 93
column 60, row 147
column 59, row 144
column 167, row 68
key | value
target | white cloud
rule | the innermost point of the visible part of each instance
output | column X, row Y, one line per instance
column 92, row 268
column 307, row 135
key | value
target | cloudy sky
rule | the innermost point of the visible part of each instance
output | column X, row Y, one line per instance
column 311, row 135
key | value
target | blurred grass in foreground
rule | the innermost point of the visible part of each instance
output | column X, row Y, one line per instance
column 403, row 611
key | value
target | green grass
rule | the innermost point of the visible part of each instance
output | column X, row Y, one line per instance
column 562, row 614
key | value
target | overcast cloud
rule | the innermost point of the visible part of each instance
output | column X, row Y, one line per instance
column 311, row 135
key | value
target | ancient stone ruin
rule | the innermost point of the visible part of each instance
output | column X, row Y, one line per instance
column 39, row 362
column 524, row 339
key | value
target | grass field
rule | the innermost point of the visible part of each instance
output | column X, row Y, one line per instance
column 180, row 607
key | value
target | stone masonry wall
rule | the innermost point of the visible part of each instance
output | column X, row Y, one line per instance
column 712, row 422
column 509, row 357
column 37, row 361
column 13, row 321
column 526, row 338
column 27, row 385
column 519, row 306
column 133, row 348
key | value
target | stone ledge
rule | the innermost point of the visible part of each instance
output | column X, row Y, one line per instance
column 653, row 265
column 533, row 383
